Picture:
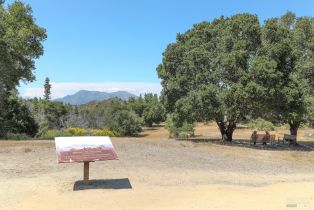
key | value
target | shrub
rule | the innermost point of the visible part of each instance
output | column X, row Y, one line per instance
column 116, row 133
column 103, row 132
column 261, row 125
column 17, row 136
column 126, row 123
column 185, row 131
column 3, row 128
column 51, row 134
column 77, row 131
column 43, row 129
column 184, row 135
column 171, row 127
column 18, row 118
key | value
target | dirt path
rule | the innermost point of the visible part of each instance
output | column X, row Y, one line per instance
column 49, row 194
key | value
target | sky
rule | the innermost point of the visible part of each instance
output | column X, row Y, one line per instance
column 110, row 45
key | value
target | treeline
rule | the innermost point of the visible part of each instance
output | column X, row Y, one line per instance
column 42, row 118
column 234, row 68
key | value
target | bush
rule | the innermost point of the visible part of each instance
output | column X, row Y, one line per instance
column 126, row 123
column 3, row 128
column 184, row 135
column 51, row 134
column 77, row 131
column 43, row 129
column 185, row 131
column 17, row 136
column 103, row 132
column 171, row 126
column 18, row 118
column 261, row 125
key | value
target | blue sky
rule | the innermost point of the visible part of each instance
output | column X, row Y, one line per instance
column 116, row 44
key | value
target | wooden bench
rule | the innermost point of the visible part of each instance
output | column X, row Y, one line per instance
column 292, row 139
column 261, row 138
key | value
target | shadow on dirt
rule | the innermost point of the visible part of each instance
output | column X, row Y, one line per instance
column 116, row 184
column 277, row 146
column 153, row 128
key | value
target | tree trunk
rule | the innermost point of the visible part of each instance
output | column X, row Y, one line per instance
column 294, row 126
column 226, row 129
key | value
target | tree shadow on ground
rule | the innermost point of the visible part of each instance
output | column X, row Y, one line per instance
column 153, row 128
column 276, row 146
column 115, row 184
column 142, row 135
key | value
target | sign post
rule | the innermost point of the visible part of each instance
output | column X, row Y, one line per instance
column 84, row 149
column 86, row 173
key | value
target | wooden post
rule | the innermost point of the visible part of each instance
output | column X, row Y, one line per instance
column 86, row 173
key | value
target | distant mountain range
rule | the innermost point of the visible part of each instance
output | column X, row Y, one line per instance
column 85, row 96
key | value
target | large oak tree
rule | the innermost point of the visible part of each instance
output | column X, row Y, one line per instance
column 232, row 67
column 205, row 74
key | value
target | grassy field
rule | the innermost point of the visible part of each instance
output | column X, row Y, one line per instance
column 154, row 172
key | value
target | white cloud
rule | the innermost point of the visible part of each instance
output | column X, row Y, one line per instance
column 59, row 90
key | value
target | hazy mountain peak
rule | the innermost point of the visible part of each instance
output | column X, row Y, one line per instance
column 85, row 96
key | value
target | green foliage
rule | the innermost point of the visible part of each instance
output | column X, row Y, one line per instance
column 77, row 131
column 112, row 114
column 47, row 89
column 91, row 132
column 282, row 66
column 154, row 111
column 137, row 105
column 205, row 73
column 51, row 134
column 232, row 67
column 150, row 109
column 18, row 118
column 126, row 123
column 3, row 127
column 20, row 43
column 50, row 115
column 261, row 125
column 171, row 126
column 43, row 128
column 17, row 136
column 184, row 131
column 104, row 132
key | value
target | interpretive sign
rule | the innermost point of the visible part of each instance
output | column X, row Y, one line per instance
column 84, row 149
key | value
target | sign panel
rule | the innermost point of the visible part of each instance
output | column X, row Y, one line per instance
column 81, row 149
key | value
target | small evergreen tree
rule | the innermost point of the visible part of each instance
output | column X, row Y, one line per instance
column 47, row 88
